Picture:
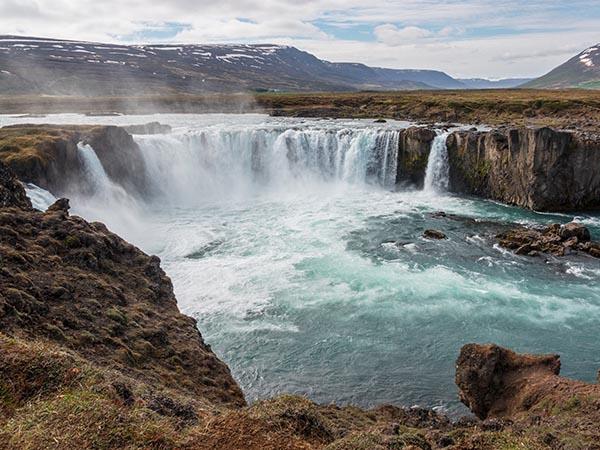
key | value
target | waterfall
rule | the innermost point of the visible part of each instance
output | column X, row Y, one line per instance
column 437, row 172
column 97, row 182
column 216, row 162
column 40, row 198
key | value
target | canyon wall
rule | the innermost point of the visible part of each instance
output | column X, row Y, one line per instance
column 537, row 168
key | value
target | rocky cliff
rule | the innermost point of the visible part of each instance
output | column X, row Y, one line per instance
column 79, row 285
column 413, row 152
column 537, row 168
column 47, row 155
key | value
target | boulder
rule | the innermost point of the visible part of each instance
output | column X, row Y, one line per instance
column 555, row 239
column 575, row 230
column 434, row 234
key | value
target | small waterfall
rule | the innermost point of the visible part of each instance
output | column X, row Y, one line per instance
column 40, row 198
column 98, row 183
column 438, row 167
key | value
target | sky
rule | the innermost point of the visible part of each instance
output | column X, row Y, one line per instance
column 465, row 38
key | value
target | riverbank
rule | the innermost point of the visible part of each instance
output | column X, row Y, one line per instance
column 568, row 109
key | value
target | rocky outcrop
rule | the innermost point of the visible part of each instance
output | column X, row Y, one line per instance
column 497, row 382
column 148, row 128
column 537, row 168
column 79, row 285
column 11, row 191
column 47, row 155
column 555, row 239
column 413, row 153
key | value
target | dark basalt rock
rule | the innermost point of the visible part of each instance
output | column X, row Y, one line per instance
column 537, row 168
column 555, row 239
column 434, row 234
column 413, row 154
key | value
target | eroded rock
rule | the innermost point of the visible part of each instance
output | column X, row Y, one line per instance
column 555, row 239
column 11, row 191
column 489, row 377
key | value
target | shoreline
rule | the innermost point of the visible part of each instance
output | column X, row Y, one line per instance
column 569, row 109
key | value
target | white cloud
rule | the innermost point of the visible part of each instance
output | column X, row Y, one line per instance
column 391, row 35
column 519, row 38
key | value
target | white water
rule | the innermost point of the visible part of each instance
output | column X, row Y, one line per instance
column 213, row 164
column 438, row 167
column 40, row 198
column 309, row 275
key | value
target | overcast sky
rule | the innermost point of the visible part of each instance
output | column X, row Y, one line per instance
column 465, row 38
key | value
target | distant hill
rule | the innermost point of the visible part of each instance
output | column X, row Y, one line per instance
column 481, row 83
column 30, row 65
column 581, row 71
column 49, row 66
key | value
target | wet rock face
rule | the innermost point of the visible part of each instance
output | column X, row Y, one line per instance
column 47, row 155
column 489, row 377
column 537, row 168
column 434, row 234
column 555, row 239
column 11, row 191
column 413, row 153
column 79, row 285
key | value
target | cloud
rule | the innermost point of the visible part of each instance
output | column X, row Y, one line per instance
column 463, row 37
column 393, row 36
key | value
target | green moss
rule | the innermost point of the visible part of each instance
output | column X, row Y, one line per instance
column 72, row 242
column 116, row 315
column 55, row 332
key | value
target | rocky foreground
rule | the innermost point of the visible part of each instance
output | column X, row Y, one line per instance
column 95, row 354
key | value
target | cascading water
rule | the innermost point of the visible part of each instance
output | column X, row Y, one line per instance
column 97, row 197
column 215, row 162
column 40, row 198
column 100, row 186
column 438, row 167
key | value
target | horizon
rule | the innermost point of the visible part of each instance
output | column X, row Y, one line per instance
column 463, row 38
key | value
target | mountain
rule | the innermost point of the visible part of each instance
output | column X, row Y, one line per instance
column 482, row 83
column 31, row 65
column 581, row 71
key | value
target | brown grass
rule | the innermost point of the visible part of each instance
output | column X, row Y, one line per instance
column 561, row 108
